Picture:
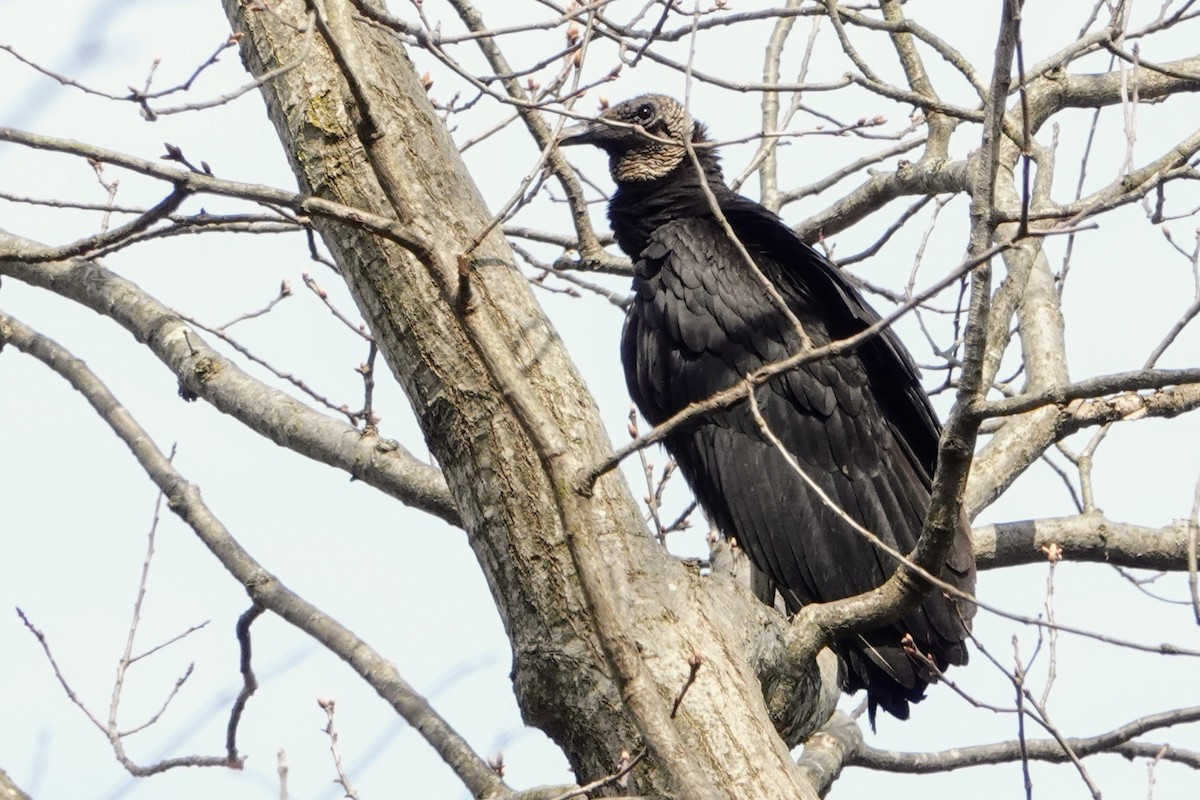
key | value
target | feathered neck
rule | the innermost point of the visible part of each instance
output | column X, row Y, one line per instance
column 638, row 207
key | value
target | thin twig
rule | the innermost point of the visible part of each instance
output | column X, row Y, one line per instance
column 285, row 291
column 626, row 766
column 327, row 705
column 1193, row 532
column 266, row 590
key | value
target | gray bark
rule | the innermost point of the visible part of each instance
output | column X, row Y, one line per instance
column 9, row 790
column 491, row 386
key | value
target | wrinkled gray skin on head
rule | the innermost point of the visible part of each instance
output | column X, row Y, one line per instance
column 633, row 156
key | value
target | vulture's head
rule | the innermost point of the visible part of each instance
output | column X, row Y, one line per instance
column 643, row 137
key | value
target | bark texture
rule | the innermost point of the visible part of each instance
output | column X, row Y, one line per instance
column 9, row 790
column 491, row 385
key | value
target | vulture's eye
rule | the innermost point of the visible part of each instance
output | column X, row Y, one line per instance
column 644, row 114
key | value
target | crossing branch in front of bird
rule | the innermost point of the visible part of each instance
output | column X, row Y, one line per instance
column 804, row 645
column 738, row 393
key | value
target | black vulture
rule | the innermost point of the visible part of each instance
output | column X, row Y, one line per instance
column 859, row 423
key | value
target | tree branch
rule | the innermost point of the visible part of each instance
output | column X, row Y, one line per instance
column 1115, row 740
column 264, row 588
column 1054, row 92
column 1023, row 439
column 1118, row 382
column 904, row 588
column 1090, row 537
column 829, row 749
column 9, row 790
column 383, row 464
column 197, row 182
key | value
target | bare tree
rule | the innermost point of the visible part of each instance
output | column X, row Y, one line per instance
column 656, row 677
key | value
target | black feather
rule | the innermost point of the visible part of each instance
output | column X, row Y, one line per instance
column 859, row 423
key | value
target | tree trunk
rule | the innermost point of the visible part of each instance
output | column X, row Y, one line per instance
column 506, row 415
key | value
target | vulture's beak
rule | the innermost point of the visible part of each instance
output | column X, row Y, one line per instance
column 580, row 133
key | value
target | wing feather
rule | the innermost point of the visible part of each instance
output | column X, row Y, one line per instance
column 858, row 425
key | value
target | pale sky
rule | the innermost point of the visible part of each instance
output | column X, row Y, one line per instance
column 75, row 509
